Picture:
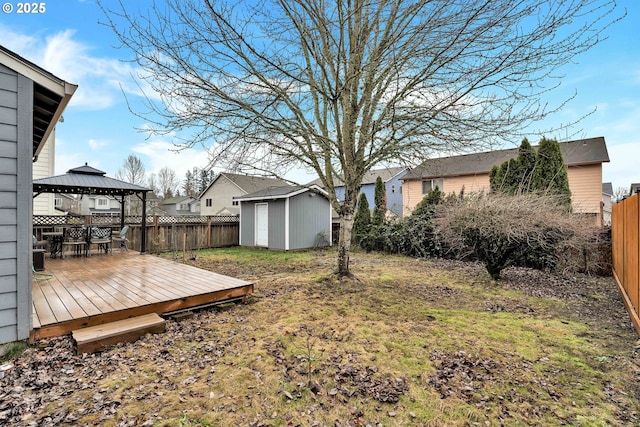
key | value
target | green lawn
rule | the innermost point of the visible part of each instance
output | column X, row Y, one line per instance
column 410, row 342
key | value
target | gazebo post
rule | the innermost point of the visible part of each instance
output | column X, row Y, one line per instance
column 122, row 212
column 143, row 232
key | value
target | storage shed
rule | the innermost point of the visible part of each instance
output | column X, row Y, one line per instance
column 285, row 218
column 31, row 103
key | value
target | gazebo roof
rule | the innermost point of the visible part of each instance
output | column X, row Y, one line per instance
column 86, row 180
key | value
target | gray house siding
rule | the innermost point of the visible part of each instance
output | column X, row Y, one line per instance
column 247, row 224
column 277, row 224
column 308, row 217
column 16, row 106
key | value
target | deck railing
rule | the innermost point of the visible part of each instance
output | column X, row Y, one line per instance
column 625, row 234
column 164, row 233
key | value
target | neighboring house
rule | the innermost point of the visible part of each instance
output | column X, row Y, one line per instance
column 99, row 204
column 470, row 173
column 285, row 218
column 66, row 203
column 31, row 102
column 181, row 205
column 607, row 197
column 392, row 179
column 635, row 188
column 44, row 166
column 154, row 205
column 217, row 198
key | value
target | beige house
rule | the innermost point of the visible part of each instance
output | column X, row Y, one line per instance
column 470, row 172
column 44, row 166
column 217, row 199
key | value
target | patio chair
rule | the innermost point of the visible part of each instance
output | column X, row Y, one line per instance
column 100, row 236
column 122, row 238
column 76, row 238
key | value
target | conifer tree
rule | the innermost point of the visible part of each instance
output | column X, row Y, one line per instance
column 362, row 219
column 527, row 164
column 550, row 174
column 380, row 203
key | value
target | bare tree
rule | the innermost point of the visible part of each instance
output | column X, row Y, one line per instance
column 338, row 87
column 167, row 182
column 619, row 194
column 132, row 171
column 152, row 183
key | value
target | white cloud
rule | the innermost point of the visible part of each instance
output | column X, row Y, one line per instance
column 622, row 171
column 100, row 80
column 158, row 154
column 97, row 144
column 66, row 159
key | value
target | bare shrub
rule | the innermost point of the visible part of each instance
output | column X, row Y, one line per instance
column 521, row 230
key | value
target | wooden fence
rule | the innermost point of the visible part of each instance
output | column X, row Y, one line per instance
column 164, row 233
column 625, row 235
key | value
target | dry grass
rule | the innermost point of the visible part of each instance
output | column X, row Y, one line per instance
column 411, row 342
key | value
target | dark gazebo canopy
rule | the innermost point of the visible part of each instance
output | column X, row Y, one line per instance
column 88, row 180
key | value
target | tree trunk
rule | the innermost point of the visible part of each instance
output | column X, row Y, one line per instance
column 344, row 245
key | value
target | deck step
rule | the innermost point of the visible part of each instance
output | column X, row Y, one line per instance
column 97, row 338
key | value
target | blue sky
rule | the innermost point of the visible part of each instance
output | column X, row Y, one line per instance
column 68, row 40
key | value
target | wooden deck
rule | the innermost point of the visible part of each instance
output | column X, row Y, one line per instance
column 105, row 288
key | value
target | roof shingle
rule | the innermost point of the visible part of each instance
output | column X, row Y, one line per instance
column 579, row 152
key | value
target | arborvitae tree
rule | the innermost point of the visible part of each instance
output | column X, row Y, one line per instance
column 527, row 164
column 550, row 174
column 515, row 176
column 512, row 177
column 380, row 203
column 495, row 178
column 362, row 219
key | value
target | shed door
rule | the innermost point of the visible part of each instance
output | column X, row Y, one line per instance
column 262, row 224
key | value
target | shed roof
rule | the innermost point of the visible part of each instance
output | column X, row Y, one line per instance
column 579, row 152
column 86, row 180
column 283, row 192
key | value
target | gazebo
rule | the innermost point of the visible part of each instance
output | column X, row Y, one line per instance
column 88, row 180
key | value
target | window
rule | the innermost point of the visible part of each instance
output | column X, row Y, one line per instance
column 430, row 184
column 393, row 189
column 102, row 203
column 183, row 206
column 209, row 203
column 234, row 203
column 57, row 202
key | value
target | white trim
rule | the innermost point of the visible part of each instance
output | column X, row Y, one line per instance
column 287, row 244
